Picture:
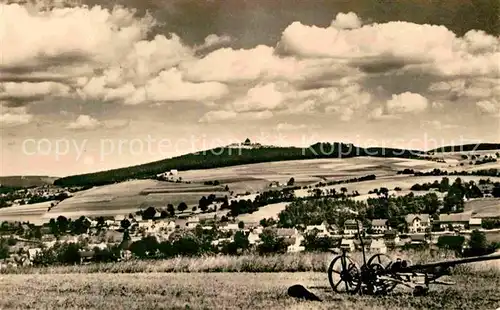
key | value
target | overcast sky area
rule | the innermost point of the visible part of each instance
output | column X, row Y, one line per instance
column 96, row 85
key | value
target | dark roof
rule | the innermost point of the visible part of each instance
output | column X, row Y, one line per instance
column 379, row 222
column 455, row 217
column 417, row 237
column 423, row 217
column 391, row 233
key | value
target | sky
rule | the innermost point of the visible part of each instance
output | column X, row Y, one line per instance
column 96, row 85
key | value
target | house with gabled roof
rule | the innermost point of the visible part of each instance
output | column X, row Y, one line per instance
column 378, row 246
column 459, row 221
column 351, row 227
column 379, row 226
column 417, row 222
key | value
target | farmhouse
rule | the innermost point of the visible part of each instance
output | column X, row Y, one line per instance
column 379, row 226
column 297, row 247
column 486, row 188
column 192, row 222
column 230, row 227
column 458, row 221
column 351, row 227
column 391, row 238
column 348, row 245
column 253, row 238
column 417, row 222
column 32, row 253
column 378, row 246
column 322, row 229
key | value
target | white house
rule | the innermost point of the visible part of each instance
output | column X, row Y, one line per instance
column 297, row 247
column 351, row 227
column 32, row 253
column 348, row 244
column 230, row 227
column 459, row 221
column 192, row 222
column 379, row 226
column 417, row 222
column 321, row 229
column 378, row 246
column 253, row 237
column 100, row 246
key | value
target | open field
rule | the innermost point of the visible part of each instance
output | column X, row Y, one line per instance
column 487, row 207
column 405, row 182
column 268, row 211
column 226, row 291
column 127, row 197
column 34, row 213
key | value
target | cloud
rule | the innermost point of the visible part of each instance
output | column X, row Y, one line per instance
column 346, row 21
column 115, row 123
column 26, row 91
column 437, row 125
column 221, row 115
column 96, row 54
column 378, row 114
column 169, row 86
column 72, row 34
column 214, row 40
column 488, row 107
column 289, row 127
column 261, row 97
column 407, row 103
column 84, row 122
column 14, row 116
column 430, row 48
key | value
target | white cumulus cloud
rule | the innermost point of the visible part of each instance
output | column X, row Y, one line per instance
column 84, row 122
column 407, row 103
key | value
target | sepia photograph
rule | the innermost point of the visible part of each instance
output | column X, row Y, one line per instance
column 250, row 154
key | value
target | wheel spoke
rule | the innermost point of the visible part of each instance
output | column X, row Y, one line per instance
column 343, row 260
column 336, row 285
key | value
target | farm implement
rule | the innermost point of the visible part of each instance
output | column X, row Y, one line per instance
column 379, row 275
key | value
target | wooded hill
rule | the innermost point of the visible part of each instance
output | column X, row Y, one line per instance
column 226, row 156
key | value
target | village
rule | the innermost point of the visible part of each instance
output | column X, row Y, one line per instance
column 25, row 241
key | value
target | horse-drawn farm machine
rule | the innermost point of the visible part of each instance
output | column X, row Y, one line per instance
column 379, row 275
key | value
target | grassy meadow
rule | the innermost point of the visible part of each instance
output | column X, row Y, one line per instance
column 289, row 262
column 473, row 290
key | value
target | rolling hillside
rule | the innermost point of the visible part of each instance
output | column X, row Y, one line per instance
column 230, row 156
column 467, row 148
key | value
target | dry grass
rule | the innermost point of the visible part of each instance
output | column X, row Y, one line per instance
column 145, row 285
column 291, row 262
column 224, row 291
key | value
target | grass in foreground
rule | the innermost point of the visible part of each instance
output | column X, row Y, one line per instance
column 291, row 262
column 226, row 291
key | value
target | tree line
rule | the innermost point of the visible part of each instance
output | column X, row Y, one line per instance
column 225, row 157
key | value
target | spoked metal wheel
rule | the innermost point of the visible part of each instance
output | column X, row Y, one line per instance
column 378, row 265
column 381, row 259
column 344, row 275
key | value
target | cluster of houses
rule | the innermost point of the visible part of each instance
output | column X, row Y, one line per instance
column 45, row 191
column 379, row 237
column 420, row 223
